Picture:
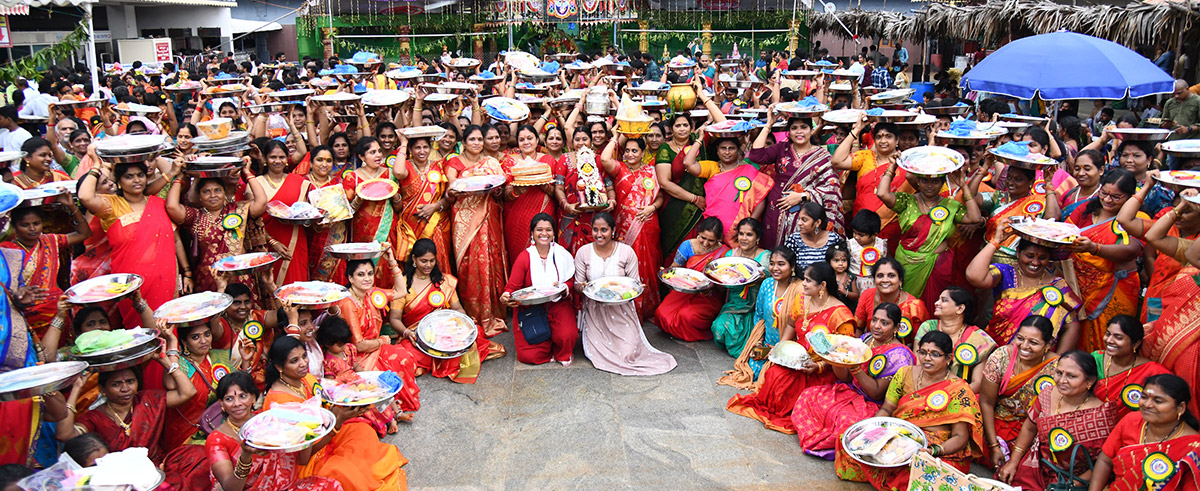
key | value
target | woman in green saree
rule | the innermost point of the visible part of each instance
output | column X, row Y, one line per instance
column 685, row 192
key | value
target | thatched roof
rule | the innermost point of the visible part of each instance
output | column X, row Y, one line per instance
column 1138, row 23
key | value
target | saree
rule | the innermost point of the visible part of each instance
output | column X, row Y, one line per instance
column 689, row 316
column 213, row 241
column 972, row 340
column 1014, row 303
column 1107, row 291
column 943, row 403
column 373, row 220
column 96, row 259
column 574, row 231
column 519, row 212
column 736, row 318
column 1129, row 456
column 636, row 190
column 354, row 457
column 811, row 172
column 868, row 172
column 780, row 388
column 322, row 266
column 464, row 369
column 366, row 322
column 269, row 471
column 478, row 248
column 733, row 195
column 40, row 269
column 824, row 412
column 145, row 421
column 1174, row 342
column 420, row 189
column 1171, row 283
column 1017, row 391
column 677, row 217
column 771, row 314
column 1124, row 389
column 920, row 240
column 912, row 313
column 342, row 369
column 19, row 440
column 182, row 438
column 137, row 244
column 293, row 238
column 1087, row 427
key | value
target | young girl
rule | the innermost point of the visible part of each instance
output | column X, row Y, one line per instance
column 341, row 363
column 838, row 256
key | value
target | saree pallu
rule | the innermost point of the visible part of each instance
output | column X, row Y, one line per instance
column 678, row 217
column 373, row 221
column 1107, row 291
column 636, row 190
column 479, row 249
column 19, row 437
column 212, row 241
column 770, row 315
column 464, row 369
column 96, row 259
column 354, row 457
column 17, row 348
column 293, row 238
column 574, row 231
column 342, row 370
column 270, row 471
column 912, row 312
column 1030, row 206
column 137, row 247
column 1017, row 391
column 1087, row 427
column 811, row 172
column 420, row 189
column 145, row 422
column 689, row 316
column 40, row 269
column 736, row 319
column 1174, row 340
column 1124, row 389
column 1014, row 304
column 824, row 412
column 322, row 266
column 733, row 195
column 366, row 322
column 776, row 397
column 1130, row 463
column 519, row 213
column 920, row 240
column 954, row 403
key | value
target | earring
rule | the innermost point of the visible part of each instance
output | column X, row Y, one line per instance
column 186, row 352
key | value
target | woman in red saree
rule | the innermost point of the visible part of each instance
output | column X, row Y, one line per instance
column 930, row 396
column 522, row 202
column 423, row 213
column 42, row 251
column 374, row 220
column 689, row 316
column 575, row 227
column 219, row 227
column 139, row 231
column 801, row 170
column 889, row 288
column 824, row 412
column 1122, row 367
column 1156, row 447
column 35, row 165
column 637, row 217
column 821, row 309
column 1070, row 413
column 322, row 266
column 267, row 471
column 478, row 250
column 429, row 289
column 290, row 241
column 1013, row 376
column 364, row 311
column 733, row 189
column 1170, row 235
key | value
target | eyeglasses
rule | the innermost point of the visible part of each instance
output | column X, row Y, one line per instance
column 1111, row 197
column 930, row 354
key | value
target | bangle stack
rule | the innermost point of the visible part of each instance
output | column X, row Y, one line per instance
column 242, row 470
column 58, row 323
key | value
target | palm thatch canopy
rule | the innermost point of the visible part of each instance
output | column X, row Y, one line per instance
column 1135, row 24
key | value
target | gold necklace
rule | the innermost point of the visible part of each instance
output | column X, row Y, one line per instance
column 125, row 426
column 300, row 392
column 312, row 178
column 921, row 378
column 1058, row 405
column 236, row 428
column 1175, row 430
column 272, row 182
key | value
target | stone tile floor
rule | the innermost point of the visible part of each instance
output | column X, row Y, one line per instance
column 549, row 427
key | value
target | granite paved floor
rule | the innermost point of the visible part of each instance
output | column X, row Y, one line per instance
column 549, row 427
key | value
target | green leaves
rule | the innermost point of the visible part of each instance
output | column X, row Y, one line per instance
column 30, row 67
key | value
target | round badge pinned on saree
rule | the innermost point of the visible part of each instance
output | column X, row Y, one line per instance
column 648, row 183
column 1034, row 207
column 939, row 214
column 1131, row 396
column 1040, row 187
column 938, row 400
column 1060, row 439
column 966, row 354
column 742, row 183
column 876, row 365
column 253, row 330
column 1052, row 296
column 434, row 176
column 390, row 162
column 379, row 299
column 219, row 371
column 316, row 388
column 1043, row 383
column 819, row 328
column 905, row 327
column 436, row 299
column 232, row 221
column 1158, row 467
column 347, row 173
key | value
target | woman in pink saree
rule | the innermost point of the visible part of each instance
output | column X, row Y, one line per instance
column 733, row 189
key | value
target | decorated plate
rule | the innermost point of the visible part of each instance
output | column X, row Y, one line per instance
column 1027, row 161
column 506, row 109
column 463, row 63
column 1048, row 233
column 733, row 271
column 62, row 186
column 685, row 280
column 477, row 184
column 613, row 289
column 355, row 250
column 128, row 144
column 104, row 288
column 432, row 132
column 884, row 442
column 446, row 333
column 376, row 189
column 39, row 196
column 536, row 295
column 137, row 337
column 193, row 308
column 37, row 380
column 930, row 160
column 312, row 294
column 790, row 354
column 245, row 262
column 385, row 97
column 1183, row 148
column 797, row 108
column 520, row 60
column 1188, row 178
column 1141, row 134
column 837, row 349
column 842, row 116
column 370, row 389
column 287, row 428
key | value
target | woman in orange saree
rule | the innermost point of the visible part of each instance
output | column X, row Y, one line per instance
column 889, row 288
column 637, row 220
column 373, row 220
column 364, row 310
column 1155, row 448
column 354, row 456
column 289, row 241
column 429, row 289
column 478, row 247
column 42, row 251
column 1022, row 200
column 1104, row 258
column 824, row 412
column 1013, row 376
column 423, row 213
column 689, row 316
column 733, row 189
column 1171, row 234
column 820, row 309
column 1122, row 368
column 322, row 266
column 930, row 396
column 522, row 202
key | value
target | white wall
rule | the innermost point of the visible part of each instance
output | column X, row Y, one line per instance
column 179, row 17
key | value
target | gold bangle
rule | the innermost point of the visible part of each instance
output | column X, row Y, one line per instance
column 71, row 407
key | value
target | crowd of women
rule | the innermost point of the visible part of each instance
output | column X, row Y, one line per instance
column 995, row 346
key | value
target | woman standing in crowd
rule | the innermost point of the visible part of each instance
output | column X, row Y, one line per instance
column 802, row 172
column 637, row 214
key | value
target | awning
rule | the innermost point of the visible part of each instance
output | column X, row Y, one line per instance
column 195, row 3
column 21, row 7
column 239, row 26
column 16, row 10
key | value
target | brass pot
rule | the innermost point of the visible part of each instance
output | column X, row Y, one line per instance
column 681, row 97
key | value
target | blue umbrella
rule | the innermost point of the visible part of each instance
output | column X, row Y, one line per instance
column 1067, row 65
